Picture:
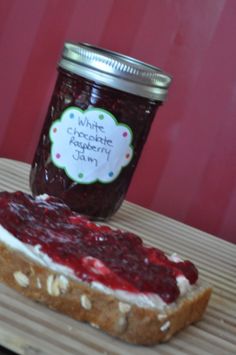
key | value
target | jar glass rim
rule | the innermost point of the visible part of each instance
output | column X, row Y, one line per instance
column 115, row 70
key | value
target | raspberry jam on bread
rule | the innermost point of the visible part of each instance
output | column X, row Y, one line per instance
column 118, row 260
column 95, row 274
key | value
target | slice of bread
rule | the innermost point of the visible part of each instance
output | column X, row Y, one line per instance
column 121, row 317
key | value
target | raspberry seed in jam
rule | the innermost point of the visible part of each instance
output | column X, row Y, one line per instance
column 116, row 259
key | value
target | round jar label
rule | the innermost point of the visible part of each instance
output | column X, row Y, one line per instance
column 90, row 145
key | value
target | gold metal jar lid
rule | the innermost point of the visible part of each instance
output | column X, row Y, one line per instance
column 115, row 70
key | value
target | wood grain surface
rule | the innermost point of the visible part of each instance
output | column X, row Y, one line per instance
column 29, row 328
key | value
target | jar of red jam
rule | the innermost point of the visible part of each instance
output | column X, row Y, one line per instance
column 98, row 120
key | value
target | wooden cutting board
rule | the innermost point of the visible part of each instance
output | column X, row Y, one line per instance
column 29, row 328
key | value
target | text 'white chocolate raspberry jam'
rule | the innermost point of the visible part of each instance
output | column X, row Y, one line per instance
column 98, row 120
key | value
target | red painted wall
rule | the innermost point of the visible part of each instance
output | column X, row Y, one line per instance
column 188, row 167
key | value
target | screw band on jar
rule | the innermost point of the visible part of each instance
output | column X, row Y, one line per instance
column 96, row 128
column 115, row 70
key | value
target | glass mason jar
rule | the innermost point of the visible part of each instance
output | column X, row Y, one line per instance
column 97, row 123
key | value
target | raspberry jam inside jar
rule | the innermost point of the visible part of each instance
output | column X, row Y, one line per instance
column 98, row 120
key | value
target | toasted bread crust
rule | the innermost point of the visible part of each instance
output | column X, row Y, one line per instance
column 78, row 300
